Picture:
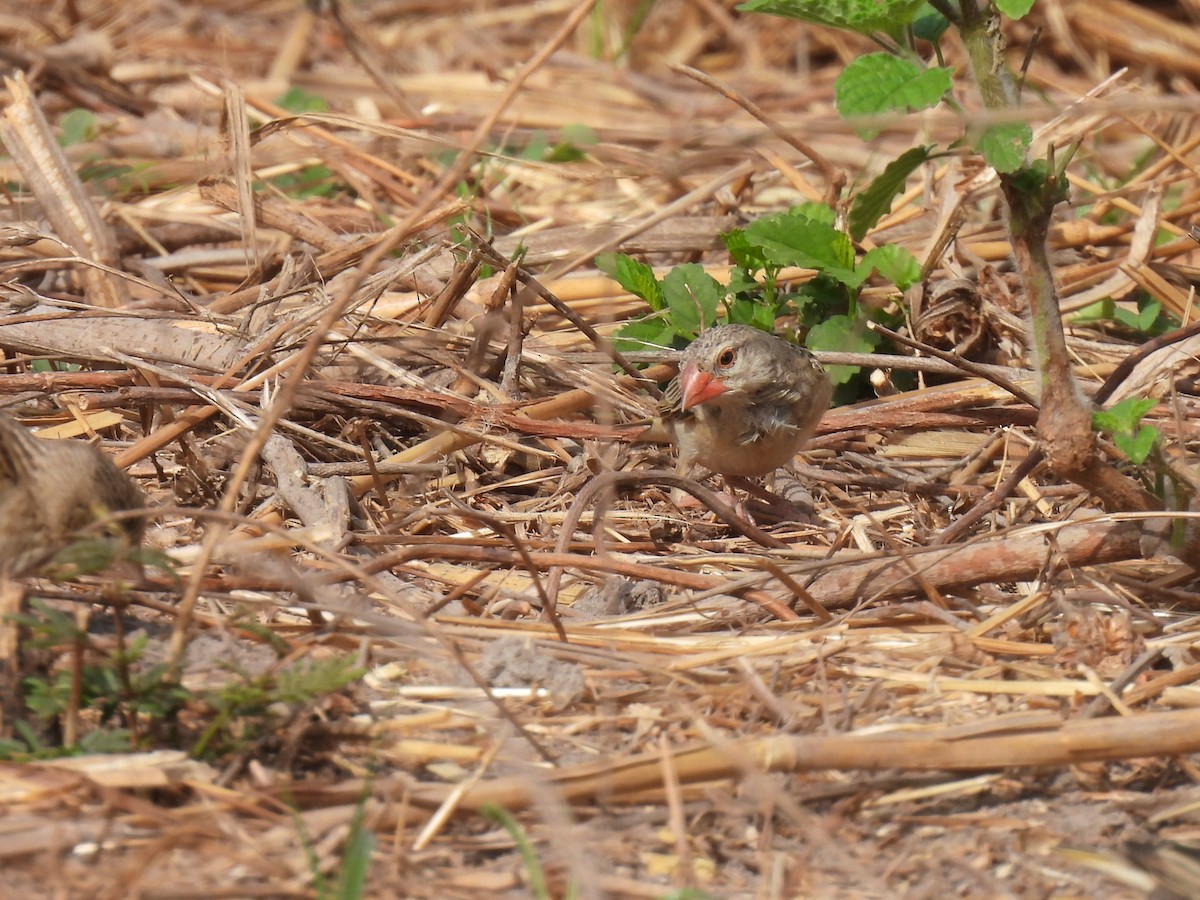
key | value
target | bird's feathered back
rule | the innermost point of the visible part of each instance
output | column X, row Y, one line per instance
column 50, row 489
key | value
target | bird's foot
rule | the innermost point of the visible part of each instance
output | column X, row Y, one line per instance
column 794, row 504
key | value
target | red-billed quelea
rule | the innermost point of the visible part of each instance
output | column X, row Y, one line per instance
column 51, row 489
column 744, row 402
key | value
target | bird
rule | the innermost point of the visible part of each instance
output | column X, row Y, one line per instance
column 744, row 402
column 51, row 489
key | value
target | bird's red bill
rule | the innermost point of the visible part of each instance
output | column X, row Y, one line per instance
column 699, row 386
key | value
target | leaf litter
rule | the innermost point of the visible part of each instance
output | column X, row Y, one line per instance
column 364, row 434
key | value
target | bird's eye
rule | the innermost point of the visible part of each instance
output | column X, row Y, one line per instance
column 728, row 355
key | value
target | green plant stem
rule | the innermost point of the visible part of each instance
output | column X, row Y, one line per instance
column 1064, row 419
column 984, row 41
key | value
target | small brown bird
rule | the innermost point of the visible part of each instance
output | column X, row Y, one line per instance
column 745, row 401
column 49, row 490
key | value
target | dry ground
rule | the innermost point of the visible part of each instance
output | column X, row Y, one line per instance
column 897, row 701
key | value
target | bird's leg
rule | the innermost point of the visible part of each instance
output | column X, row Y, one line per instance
column 683, row 500
column 777, row 506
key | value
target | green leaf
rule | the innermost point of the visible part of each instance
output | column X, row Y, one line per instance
column 538, row 888
column 862, row 16
column 788, row 240
column 814, row 212
column 356, row 858
column 880, row 82
column 1148, row 314
column 1101, row 310
column 572, row 138
column 1004, row 146
column 692, row 296
column 818, row 299
column 634, row 276
column 840, row 334
column 579, row 134
column 538, row 147
column 76, row 126
column 1014, row 9
column 1137, row 447
column 744, row 254
column 930, row 25
column 894, row 263
column 310, row 181
column 1130, row 411
column 651, row 333
column 875, row 200
column 103, row 171
column 1123, row 421
column 1126, row 317
column 298, row 100
column 85, row 556
column 749, row 312
column 742, row 282
column 303, row 682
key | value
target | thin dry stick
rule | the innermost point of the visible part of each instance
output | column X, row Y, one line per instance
column 603, row 344
column 505, row 530
column 796, row 588
column 281, row 405
column 835, row 178
column 238, row 130
column 1036, row 455
column 1129, row 363
column 986, row 372
column 706, row 190
column 608, row 480
column 373, row 584
column 364, row 49
column 1070, row 743
column 466, row 158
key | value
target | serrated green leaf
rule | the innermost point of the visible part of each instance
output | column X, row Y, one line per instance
column 875, row 200
column 1014, row 9
column 750, row 312
column 1004, row 145
column 645, row 334
column 692, row 296
column 634, row 276
column 741, row 281
column 814, row 212
column 816, row 299
column 862, row 16
column 743, row 253
column 788, row 240
column 880, row 82
column 840, row 334
column 1135, row 408
column 894, row 263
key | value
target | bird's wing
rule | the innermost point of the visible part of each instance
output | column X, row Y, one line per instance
column 18, row 451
